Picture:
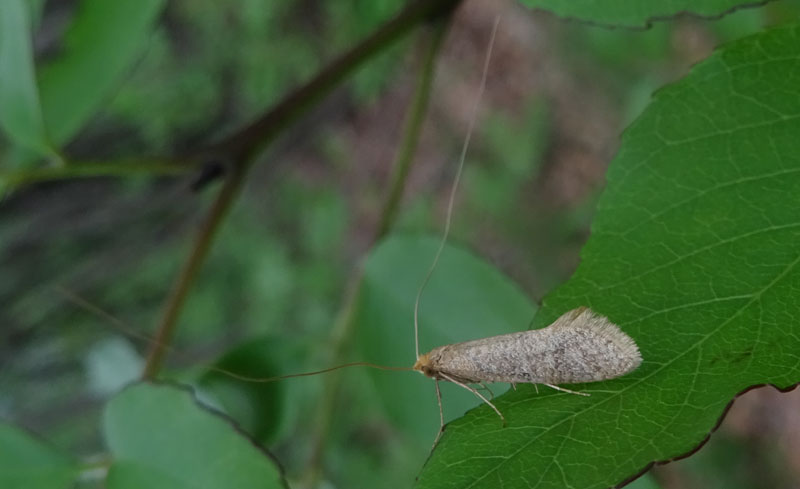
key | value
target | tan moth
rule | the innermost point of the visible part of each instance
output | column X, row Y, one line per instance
column 580, row 346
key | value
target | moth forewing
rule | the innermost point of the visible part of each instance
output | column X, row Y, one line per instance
column 580, row 346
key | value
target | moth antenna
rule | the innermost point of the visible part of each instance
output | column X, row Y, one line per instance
column 456, row 180
column 131, row 332
column 247, row 378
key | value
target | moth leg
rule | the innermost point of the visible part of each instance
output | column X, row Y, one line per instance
column 474, row 391
column 441, row 415
column 484, row 386
column 514, row 385
column 567, row 390
column 536, row 388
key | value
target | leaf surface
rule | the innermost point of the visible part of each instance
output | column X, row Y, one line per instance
column 20, row 111
column 694, row 253
column 27, row 463
column 103, row 41
column 258, row 408
column 160, row 436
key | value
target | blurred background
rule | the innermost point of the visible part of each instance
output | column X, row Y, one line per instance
column 559, row 94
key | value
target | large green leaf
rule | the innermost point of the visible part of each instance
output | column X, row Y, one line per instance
column 20, row 112
column 694, row 252
column 465, row 299
column 103, row 41
column 160, row 436
column 634, row 12
column 27, row 463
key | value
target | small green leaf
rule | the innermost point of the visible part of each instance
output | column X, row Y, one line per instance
column 465, row 299
column 20, row 111
column 694, row 253
column 101, row 45
column 27, row 463
column 634, row 12
column 257, row 407
column 160, row 436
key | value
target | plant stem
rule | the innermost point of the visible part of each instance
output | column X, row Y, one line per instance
column 345, row 319
column 243, row 147
column 182, row 284
column 81, row 169
column 411, row 133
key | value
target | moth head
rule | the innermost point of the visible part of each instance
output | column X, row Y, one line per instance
column 423, row 365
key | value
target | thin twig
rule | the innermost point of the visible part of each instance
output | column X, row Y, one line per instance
column 411, row 134
column 347, row 314
column 79, row 169
column 182, row 284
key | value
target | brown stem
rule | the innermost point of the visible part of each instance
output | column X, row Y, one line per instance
column 182, row 284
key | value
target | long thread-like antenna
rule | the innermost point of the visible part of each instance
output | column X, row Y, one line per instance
column 247, row 378
column 456, row 180
column 131, row 332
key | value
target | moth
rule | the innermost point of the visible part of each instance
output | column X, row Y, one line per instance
column 580, row 346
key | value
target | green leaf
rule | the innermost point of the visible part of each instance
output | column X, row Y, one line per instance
column 161, row 437
column 634, row 12
column 465, row 299
column 20, row 111
column 102, row 43
column 259, row 408
column 694, row 252
column 27, row 463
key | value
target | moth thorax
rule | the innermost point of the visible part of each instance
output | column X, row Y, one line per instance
column 423, row 365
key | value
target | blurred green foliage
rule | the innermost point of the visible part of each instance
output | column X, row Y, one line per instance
column 266, row 298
